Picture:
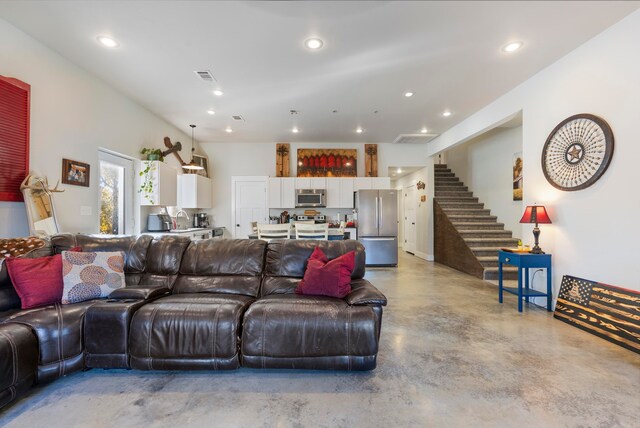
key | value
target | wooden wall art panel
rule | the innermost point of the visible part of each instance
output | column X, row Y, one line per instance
column 371, row 160
column 327, row 163
column 609, row 312
column 282, row 159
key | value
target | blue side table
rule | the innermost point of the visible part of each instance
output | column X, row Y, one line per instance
column 524, row 261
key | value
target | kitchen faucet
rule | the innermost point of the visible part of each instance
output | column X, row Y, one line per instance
column 184, row 213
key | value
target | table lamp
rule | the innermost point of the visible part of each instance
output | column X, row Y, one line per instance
column 535, row 214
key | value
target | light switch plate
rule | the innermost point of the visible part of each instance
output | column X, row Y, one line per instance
column 85, row 210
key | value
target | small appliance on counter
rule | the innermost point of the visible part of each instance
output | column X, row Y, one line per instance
column 201, row 220
column 320, row 218
column 159, row 222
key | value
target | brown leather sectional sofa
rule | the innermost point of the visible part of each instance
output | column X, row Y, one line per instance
column 211, row 304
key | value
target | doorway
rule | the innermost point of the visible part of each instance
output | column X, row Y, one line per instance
column 409, row 226
column 249, row 204
column 116, row 194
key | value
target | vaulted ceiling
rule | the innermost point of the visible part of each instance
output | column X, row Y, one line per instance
column 447, row 53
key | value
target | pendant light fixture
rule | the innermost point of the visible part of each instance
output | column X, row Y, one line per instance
column 192, row 166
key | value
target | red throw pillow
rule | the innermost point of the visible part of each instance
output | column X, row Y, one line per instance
column 37, row 281
column 332, row 278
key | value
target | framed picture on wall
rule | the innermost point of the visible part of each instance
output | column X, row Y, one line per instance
column 517, row 176
column 203, row 162
column 75, row 173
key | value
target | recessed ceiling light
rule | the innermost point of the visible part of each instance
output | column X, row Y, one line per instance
column 423, row 130
column 359, row 130
column 295, row 130
column 446, row 113
column 108, row 41
column 313, row 43
column 211, row 112
column 393, row 175
column 512, row 47
column 218, row 93
column 229, row 130
column 408, row 94
column 399, row 171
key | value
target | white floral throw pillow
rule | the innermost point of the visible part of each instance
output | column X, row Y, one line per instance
column 91, row 275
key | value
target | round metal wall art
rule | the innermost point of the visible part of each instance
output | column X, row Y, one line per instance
column 577, row 152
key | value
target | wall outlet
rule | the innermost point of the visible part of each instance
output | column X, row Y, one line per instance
column 85, row 210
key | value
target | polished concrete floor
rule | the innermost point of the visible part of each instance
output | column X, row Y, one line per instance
column 450, row 356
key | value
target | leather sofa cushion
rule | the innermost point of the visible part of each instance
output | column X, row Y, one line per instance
column 293, row 326
column 289, row 257
column 362, row 292
column 18, row 361
column 135, row 248
column 165, row 255
column 232, row 266
column 215, row 257
column 58, row 328
column 232, row 284
column 196, row 327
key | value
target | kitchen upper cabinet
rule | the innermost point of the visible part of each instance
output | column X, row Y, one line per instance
column 318, row 183
column 282, row 192
column 362, row 183
column 195, row 191
column 339, row 192
column 333, row 193
column 303, row 183
column 381, row 183
column 346, row 192
column 162, row 184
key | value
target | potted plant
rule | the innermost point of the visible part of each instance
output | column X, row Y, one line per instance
column 152, row 154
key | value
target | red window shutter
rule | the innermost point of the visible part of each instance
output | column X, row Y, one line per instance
column 14, row 136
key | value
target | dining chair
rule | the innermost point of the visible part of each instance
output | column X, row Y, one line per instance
column 267, row 232
column 312, row 231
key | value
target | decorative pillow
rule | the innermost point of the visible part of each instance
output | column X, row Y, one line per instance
column 37, row 281
column 327, row 278
column 91, row 275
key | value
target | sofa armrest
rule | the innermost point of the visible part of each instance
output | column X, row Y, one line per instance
column 144, row 292
column 364, row 293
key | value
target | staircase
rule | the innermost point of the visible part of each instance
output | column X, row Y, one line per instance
column 462, row 221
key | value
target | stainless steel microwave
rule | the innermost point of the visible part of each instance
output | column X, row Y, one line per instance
column 311, row 198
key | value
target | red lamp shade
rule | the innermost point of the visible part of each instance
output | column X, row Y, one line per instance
column 535, row 214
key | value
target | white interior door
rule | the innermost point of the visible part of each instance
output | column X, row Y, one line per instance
column 410, row 234
column 250, row 204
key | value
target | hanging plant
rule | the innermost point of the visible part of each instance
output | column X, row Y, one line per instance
column 152, row 154
column 148, row 175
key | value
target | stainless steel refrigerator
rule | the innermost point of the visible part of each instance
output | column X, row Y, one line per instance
column 377, row 223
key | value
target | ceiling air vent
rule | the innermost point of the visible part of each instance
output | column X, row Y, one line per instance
column 205, row 75
column 237, row 117
column 414, row 138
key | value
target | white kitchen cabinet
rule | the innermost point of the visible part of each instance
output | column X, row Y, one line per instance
column 195, row 191
column 333, row 193
column 362, row 183
column 381, row 183
column 288, row 192
column 346, row 192
column 164, row 184
column 318, row 183
column 282, row 192
column 303, row 183
column 339, row 192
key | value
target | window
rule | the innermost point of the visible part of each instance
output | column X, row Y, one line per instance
column 116, row 194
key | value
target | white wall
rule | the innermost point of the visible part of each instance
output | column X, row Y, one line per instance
column 72, row 114
column 485, row 165
column 423, row 212
column 237, row 159
column 595, row 232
